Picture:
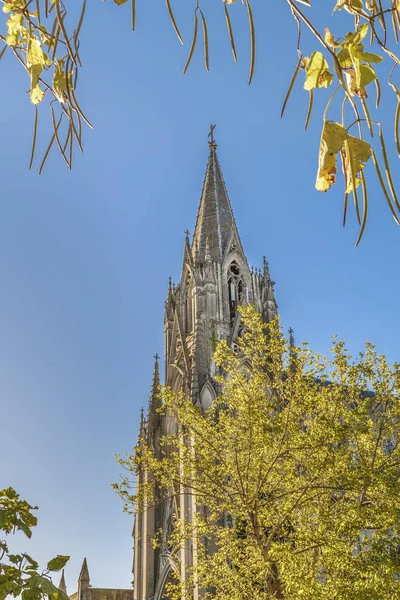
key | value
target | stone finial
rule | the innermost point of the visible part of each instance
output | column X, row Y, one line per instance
column 84, row 574
column 142, row 429
column 170, row 289
column 156, row 380
column 291, row 337
column 266, row 268
column 61, row 585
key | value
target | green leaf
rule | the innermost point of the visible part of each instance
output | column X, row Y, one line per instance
column 367, row 75
column 15, row 559
column 43, row 584
column 372, row 58
column 29, row 594
column 317, row 72
column 56, row 564
column 344, row 58
column 356, row 37
column 33, row 564
column 120, row 2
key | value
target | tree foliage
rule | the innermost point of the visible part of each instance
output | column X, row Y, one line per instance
column 293, row 472
column 19, row 573
column 344, row 60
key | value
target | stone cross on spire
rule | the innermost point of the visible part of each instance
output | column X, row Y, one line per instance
column 211, row 136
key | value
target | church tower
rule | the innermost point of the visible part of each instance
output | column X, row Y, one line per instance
column 199, row 311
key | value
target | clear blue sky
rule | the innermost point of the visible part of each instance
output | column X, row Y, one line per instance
column 85, row 256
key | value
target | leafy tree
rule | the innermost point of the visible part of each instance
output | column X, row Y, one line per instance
column 294, row 472
column 19, row 573
column 344, row 60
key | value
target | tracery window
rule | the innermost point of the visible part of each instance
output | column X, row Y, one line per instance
column 236, row 289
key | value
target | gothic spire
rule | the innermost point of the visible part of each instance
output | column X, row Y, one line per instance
column 84, row 574
column 142, row 429
column 215, row 220
column 153, row 416
column 61, row 585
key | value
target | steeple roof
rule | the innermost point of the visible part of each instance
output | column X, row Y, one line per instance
column 61, row 585
column 84, row 574
column 215, row 221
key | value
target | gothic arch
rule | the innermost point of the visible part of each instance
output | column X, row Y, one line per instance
column 242, row 264
column 189, row 269
column 236, row 283
column 207, row 396
column 168, row 570
column 234, row 246
column 245, row 365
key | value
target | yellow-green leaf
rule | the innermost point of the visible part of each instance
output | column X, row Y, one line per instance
column 59, row 81
column 349, row 5
column 36, row 94
column 367, row 75
column 120, row 2
column 15, row 27
column 356, row 37
column 369, row 57
column 35, row 54
column 329, row 39
column 332, row 139
column 11, row 5
column 317, row 72
column 360, row 152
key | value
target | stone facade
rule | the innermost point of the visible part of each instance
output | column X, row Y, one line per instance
column 200, row 310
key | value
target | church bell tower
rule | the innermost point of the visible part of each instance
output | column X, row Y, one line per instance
column 199, row 311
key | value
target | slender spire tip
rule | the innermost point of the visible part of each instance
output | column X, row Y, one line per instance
column 84, row 574
column 212, row 143
column 61, row 585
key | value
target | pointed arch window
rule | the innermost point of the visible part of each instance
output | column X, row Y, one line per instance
column 236, row 289
column 189, row 304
